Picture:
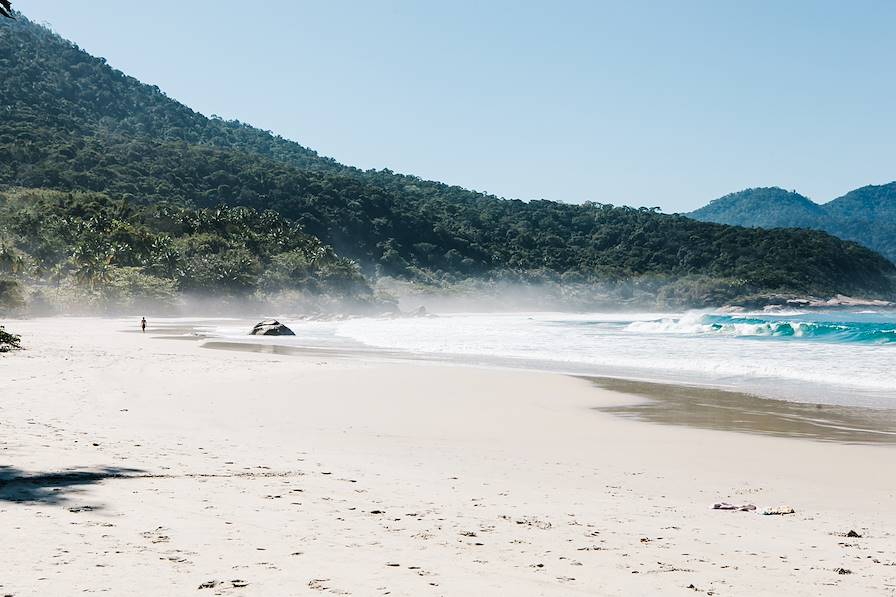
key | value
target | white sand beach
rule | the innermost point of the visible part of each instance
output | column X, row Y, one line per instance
column 136, row 465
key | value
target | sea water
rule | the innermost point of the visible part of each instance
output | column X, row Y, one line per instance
column 832, row 357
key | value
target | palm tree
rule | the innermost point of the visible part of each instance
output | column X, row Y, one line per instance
column 164, row 258
column 91, row 260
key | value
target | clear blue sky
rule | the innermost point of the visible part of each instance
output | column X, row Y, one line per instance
column 665, row 104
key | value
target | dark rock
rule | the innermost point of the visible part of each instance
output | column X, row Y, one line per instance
column 843, row 571
column 853, row 534
column 271, row 327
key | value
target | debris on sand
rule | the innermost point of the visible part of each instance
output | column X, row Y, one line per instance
column 534, row 522
column 842, row 570
column 738, row 507
column 234, row 584
column 778, row 511
column 81, row 509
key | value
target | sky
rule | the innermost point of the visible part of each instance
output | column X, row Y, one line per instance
column 667, row 104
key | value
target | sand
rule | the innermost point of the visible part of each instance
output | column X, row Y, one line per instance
column 138, row 465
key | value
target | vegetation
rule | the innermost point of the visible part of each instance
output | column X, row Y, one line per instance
column 89, row 247
column 115, row 190
column 866, row 215
column 8, row 341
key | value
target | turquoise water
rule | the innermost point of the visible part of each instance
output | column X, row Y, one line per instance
column 864, row 328
column 836, row 327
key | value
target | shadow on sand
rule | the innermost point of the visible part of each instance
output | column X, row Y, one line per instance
column 17, row 485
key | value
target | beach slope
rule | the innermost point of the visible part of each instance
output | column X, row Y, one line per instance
column 132, row 464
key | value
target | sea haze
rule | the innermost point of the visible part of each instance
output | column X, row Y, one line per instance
column 835, row 357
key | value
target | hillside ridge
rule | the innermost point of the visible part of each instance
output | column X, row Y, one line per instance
column 118, row 149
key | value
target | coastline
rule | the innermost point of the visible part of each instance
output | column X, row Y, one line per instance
column 150, row 466
column 657, row 402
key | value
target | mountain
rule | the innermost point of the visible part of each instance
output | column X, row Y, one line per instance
column 763, row 208
column 866, row 215
column 107, row 154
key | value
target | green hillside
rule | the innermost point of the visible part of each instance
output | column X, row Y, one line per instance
column 72, row 124
column 866, row 215
column 769, row 207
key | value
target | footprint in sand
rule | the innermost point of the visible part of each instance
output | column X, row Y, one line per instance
column 322, row 584
column 156, row 536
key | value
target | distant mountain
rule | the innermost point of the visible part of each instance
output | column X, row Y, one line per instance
column 769, row 207
column 142, row 170
column 866, row 215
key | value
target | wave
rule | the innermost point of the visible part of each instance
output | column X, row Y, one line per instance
column 862, row 332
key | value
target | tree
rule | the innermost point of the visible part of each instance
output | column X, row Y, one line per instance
column 91, row 260
column 11, row 260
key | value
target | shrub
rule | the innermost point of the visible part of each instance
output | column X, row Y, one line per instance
column 8, row 341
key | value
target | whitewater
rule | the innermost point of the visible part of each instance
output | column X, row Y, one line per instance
column 835, row 357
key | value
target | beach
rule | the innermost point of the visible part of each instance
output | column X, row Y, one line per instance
column 137, row 464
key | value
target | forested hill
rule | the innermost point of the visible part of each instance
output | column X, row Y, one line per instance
column 71, row 123
column 866, row 215
column 769, row 207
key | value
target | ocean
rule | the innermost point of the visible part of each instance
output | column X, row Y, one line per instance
column 825, row 357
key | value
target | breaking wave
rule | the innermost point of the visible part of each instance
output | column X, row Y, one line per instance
column 805, row 328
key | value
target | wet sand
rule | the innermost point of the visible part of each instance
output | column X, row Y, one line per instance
column 710, row 408
column 665, row 403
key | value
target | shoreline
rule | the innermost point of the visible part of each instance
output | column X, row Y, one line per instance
column 847, row 371
column 134, row 466
column 651, row 401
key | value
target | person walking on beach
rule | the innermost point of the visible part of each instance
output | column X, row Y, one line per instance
column 143, row 325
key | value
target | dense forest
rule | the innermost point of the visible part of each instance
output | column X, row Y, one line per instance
column 89, row 247
column 866, row 215
column 110, row 184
